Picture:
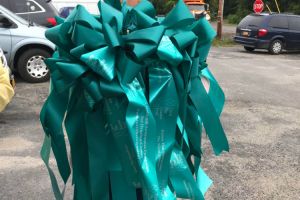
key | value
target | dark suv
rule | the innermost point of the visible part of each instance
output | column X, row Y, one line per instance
column 41, row 12
column 273, row 32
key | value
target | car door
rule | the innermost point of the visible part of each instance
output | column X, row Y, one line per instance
column 5, row 38
column 294, row 26
column 279, row 29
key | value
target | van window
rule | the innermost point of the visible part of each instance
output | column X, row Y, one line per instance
column 29, row 6
column 279, row 22
column 2, row 18
column 252, row 20
column 294, row 23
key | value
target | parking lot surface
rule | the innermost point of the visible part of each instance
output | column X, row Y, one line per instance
column 261, row 118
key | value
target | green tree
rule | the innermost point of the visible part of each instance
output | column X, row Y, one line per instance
column 163, row 6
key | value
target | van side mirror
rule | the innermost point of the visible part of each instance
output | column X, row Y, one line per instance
column 5, row 22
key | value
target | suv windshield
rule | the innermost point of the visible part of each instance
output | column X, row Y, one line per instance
column 252, row 20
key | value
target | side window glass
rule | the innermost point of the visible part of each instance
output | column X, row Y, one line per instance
column 1, row 20
column 294, row 23
column 279, row 22
column 4, row 21
column 29, row 6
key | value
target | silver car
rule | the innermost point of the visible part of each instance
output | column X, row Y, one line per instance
column 25, row 46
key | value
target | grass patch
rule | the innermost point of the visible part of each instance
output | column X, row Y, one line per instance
column 233, row 19
column 225, row 42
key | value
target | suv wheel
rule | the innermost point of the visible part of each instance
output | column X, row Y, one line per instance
column 248, row 48
column 276, row 47
column 31, row 65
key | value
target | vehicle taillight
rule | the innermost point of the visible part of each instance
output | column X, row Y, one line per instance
column 262, row 32
column 52, row 21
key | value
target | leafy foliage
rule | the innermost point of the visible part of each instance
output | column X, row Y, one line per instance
column 234, row 9
column 163, row 6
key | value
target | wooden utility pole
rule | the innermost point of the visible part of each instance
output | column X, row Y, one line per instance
column 220, row 19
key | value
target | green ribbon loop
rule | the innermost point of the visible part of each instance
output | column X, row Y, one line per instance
column 147, row 8
column 184, row 40
column 83, row 35
column 102, row 62
column 128, row 90
column 143, row 20
column 114, row 3
column 179, row 16
column 111, row 16
column 167, row 51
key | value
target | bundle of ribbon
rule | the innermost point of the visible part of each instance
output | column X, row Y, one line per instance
column 128, row 90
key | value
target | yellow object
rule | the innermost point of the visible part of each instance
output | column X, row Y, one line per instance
column 202, row 10
column 269, row 8
column 6, row 90
column 277, row 6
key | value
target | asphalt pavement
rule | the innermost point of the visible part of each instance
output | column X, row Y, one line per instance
column 261, row 118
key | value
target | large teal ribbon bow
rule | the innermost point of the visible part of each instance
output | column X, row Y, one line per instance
column 128, row 91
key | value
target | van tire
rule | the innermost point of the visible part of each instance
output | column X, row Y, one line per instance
column 276, row 47
column 31, row 66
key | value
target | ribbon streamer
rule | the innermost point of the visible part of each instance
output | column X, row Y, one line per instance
column 127, row 88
